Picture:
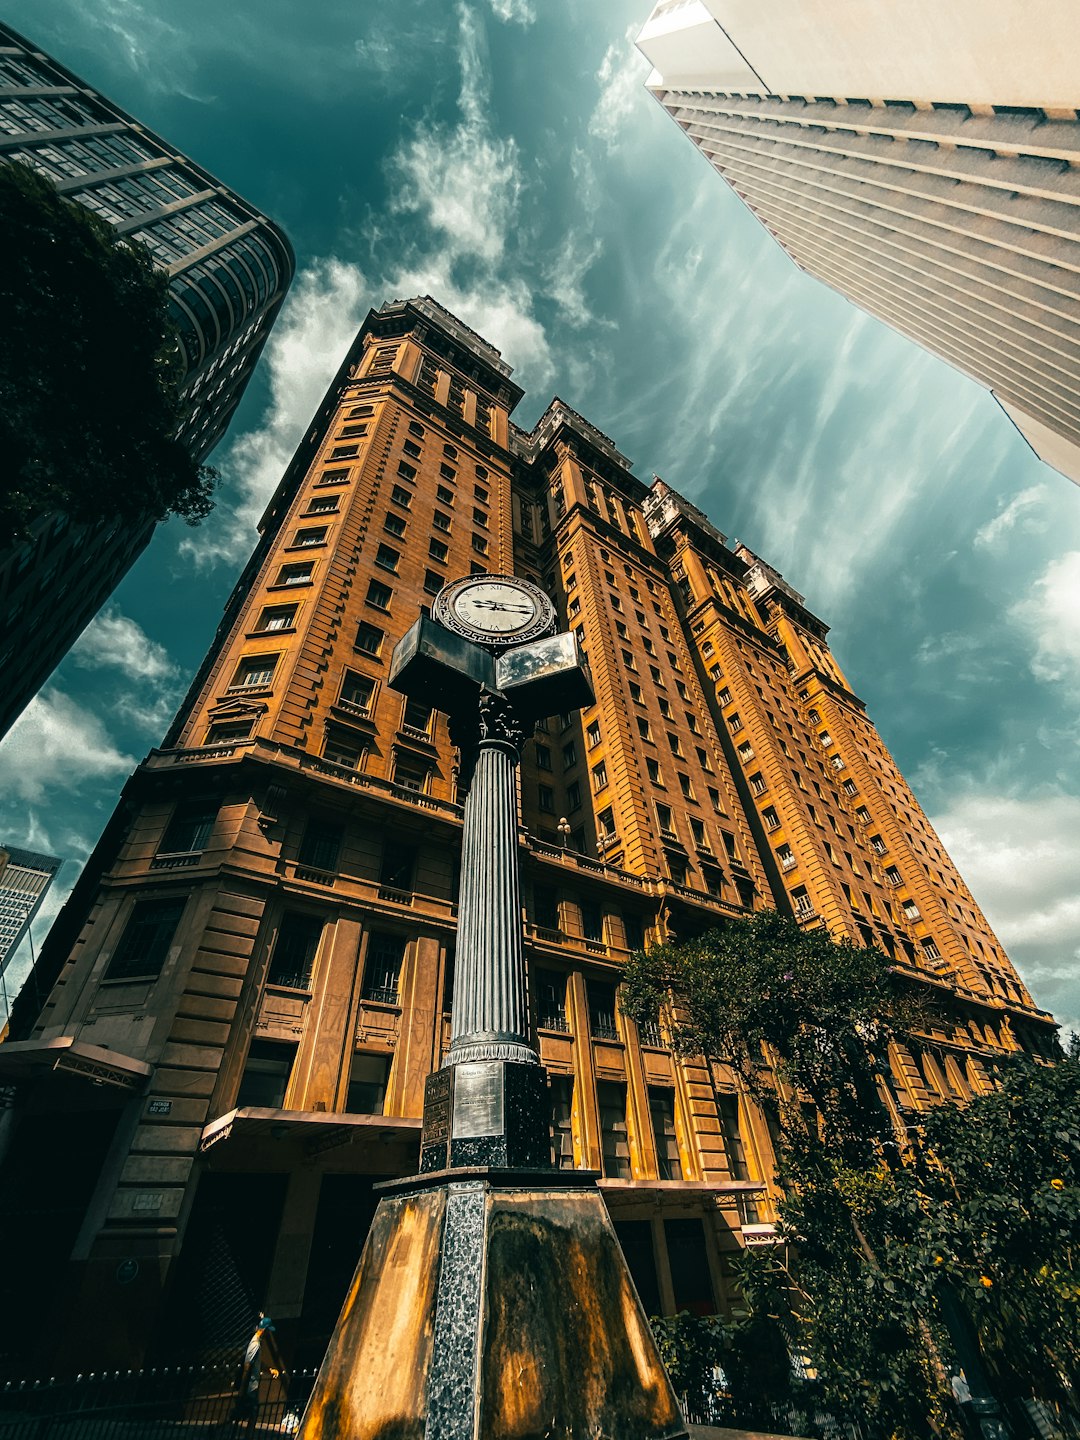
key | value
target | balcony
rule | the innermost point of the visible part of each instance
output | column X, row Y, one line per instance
column 788, row 862
column 555, row 1021
column 396, row 895
column 381, row 994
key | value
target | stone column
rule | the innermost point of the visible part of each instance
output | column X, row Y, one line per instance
column 491, row 1007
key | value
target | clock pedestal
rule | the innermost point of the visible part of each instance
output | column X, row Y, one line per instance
column 492, row 1298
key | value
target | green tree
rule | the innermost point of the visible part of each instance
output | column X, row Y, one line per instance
column 90, row 371
column 902, row 1258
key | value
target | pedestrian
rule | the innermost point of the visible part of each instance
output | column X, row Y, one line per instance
column 261, row 1349
column 961, row 1391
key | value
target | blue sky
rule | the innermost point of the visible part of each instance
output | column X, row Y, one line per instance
column 503, row 156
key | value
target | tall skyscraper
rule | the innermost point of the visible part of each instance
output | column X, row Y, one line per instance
column 254, row 971
column 25, row 877
column 921, row 159
column 229, row 268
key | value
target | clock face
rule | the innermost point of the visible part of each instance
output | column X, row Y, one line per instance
column 495, row 608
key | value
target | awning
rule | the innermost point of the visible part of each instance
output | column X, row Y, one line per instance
column 30, row 1059
column 316, row 1130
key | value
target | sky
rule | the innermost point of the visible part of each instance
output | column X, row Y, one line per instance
column 504, row 157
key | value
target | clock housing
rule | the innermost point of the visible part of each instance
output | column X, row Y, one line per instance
column 495, row 610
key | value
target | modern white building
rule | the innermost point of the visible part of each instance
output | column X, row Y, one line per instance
column 921, row 158
column 25, row 877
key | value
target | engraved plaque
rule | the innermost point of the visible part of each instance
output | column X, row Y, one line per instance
column 437, row 1109
column 478, row 1099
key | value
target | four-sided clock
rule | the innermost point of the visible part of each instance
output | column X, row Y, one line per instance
column 495, row 610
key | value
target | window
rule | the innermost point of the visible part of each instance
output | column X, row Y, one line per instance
column 635, row 693
column 433, row 582
column 551, row 1001
column 322, row 505
column 603, row 1007
column 546, row 798
column 664, row 817
column 145, row 942
column 673, row 744
column 293, row 956
column 545, row 908
column 382, row 968
column 930, row 950
column 599, row 776
column 369, row 639
column 415, row 428
column 378, row 595
column 697, row 830
column 417, row 717
column 315, row 535
column 344, row 452
column 910, row 909
column 643, row 728
column 614, row 1143
column 254, row 672
column 397, row 869
column 592, row 921
column 734, row 722
column 757, row 784
column 386, row 557
column 606, row 822
column 653, row 768
column 480, row 518
column 479, row 544
column 341, row 748
column 444, row 496
column 786, row 857
column 277, row 617
column 440, row 520
column 877, row 845
column 849, row 787
column 728, row 1106
column 406, row 471
column 295, row 574
column 826, row 739
column 412, row 449
column 438, row 551
column 394, row 524
column 266, row 1075
column 745, row 752
column 189, row 829
column 772, row 820
column 412, row 773
column 333, row 477
column 222, row 731
column 448, row 472
column 573, row 795
column 662, row 1113
column 569, row 755
column 892, row 874
column 685, row 786
column 802, row 902
column 321, row 845
column 401, row 497
column 368, row 1079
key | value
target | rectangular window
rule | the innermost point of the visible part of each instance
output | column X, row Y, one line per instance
column 479, row 544
column 438, row 551
column 189, row 829
column 479, row 518
column 401, row 497
column 546, row 798
column 397, row 869
column 368, row 1079
column 603, row 1024
column 341, row 748
column 411, row 449
column 417, row 717
column 614, row 1141
column 369, row 639
column 772, row 820
column 333, row 477
column 299, row 574
column 379, row 595
column 662, row 1113
column 433, row 582
column 592, row 734
column 293, row 957
column 382, row 968
column 592, row 921
column 653, row 768
column 569, row 755
column 254, row 672
column 551, row 1001
column 387, row 558
column 573, row 795
column 223, row 731
column 545, row 907
column 685, row 786
column 356, row 692
column 145, row 942
column 322, row 505
column 406, row 471
column 314, row 535
column 277, row 617
column 394, row 524
column 543, row 757
column 321, row 845
column 599, row 776
column 728, row 1106
column 441, row 521
column 265, row 1080
column 344, row 452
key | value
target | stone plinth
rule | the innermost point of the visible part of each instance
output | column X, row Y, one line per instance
column 492, row 1305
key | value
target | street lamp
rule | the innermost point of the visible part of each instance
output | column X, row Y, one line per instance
column 563, row 828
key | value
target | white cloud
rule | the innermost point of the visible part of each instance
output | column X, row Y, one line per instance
column 1017, row 513
column 320, row 318
column 519, row 11
column 1020, row 857
column 1051, row 616
column 621, row 75
column 114, row 640
column 56, row 743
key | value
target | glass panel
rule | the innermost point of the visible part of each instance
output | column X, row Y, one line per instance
column 614, row 1142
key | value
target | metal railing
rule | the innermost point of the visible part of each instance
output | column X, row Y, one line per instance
column 152, row 1404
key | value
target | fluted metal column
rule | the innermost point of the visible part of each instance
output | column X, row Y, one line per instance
column 491, row 1003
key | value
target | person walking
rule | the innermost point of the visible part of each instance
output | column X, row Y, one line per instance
column 261, row 1349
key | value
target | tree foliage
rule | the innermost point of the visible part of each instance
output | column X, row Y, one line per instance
column 903, row 1264
column 89, row 370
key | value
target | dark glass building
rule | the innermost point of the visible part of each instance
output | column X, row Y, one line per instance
column 229, row 268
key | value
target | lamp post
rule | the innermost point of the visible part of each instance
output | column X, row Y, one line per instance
column 492, row 1298
column 563, row 828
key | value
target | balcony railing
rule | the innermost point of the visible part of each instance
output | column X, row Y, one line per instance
column 398, row 896
column 555, row 1021
column 381, row 994
column 604, row 1030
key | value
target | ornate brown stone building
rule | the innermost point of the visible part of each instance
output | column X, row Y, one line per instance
column 250, row 983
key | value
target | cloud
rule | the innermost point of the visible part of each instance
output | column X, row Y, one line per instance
column 114, row 640
column 1020, row 857
column 1050, row 614
column 519, row 11
column 317, row 324
column 1016, row 513
column 54, row 744
column 621, row 76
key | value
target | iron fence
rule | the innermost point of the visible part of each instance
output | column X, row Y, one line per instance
column 152, row 1404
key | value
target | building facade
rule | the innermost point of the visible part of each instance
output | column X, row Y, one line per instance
column 251, row 980
column 229, row 268
column 923, row 160
column 25, row 877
